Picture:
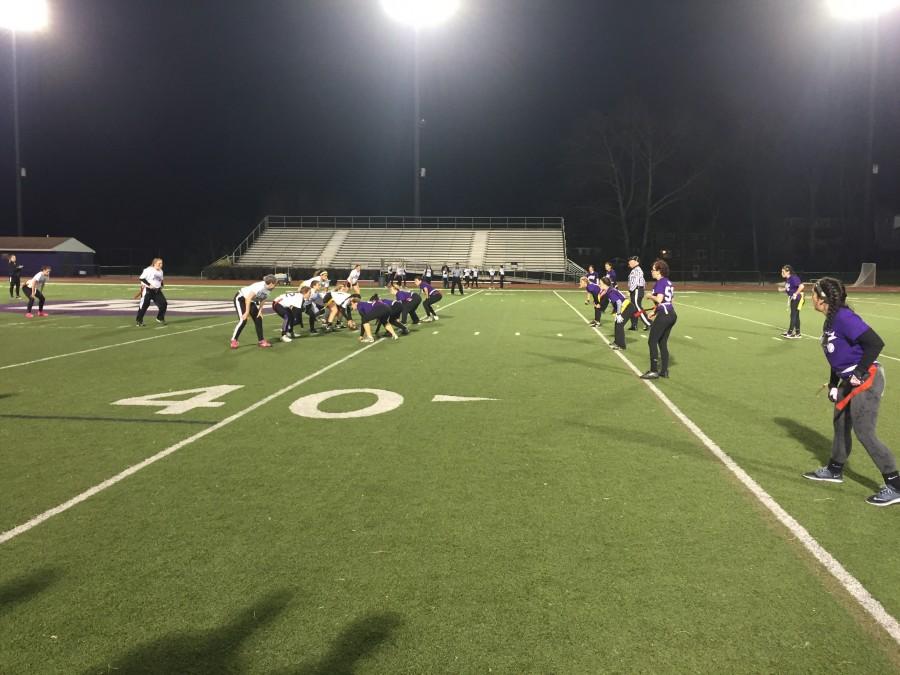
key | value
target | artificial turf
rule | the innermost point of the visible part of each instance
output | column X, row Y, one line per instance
column 572, row 524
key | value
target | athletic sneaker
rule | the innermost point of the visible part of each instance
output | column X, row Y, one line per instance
column 264, row 343
column 139, row 324
column 162, row 321
column 427, row 319
column 786, row 334
column 285, row 338
column 885, row 497
column 650, row 375
column 29, row 315
column 592, row 324
column 795, row 336
column 825, row 474
column 395, row 336
column 43, row 314
column 616, row 348
column 234, row 344
column 436, row 317
column 367, row 339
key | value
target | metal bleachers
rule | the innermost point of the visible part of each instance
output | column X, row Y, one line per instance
column 529, row 245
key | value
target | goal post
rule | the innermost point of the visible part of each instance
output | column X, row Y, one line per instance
column 866, row 275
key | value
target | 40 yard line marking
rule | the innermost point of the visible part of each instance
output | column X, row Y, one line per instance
column 131, row 470
column 874, row 608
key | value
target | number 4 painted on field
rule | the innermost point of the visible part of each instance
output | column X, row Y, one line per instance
column 205, row 398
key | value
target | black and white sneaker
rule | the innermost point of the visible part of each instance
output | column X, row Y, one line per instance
column 162, row 321
column 650, row 375
column 886, row 496
column 825, row 474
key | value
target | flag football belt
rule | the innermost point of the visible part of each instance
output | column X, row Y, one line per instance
column 844, row 402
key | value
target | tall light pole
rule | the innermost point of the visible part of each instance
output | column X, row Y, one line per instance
column 419, row 14
column 20, row 16
column 871, row 11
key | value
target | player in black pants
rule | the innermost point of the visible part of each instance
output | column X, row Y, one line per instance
column 15, row 276
column 151, row 291
column 664, row 318
column 432, row 297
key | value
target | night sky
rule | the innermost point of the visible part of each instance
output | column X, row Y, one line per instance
column 174, row 126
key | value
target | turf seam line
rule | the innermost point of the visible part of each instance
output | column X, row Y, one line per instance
column 133, row 469
column 868, row 602
column 768, row 325
column 118, row 344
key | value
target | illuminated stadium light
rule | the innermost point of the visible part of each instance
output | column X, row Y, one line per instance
column 859, row 10
column 24, row 16
column 420, row 13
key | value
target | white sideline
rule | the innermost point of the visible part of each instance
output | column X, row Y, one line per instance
column 768, row 325
column 122, row 475
column 874, row 608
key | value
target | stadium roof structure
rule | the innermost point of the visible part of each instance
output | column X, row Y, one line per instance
column 54, row 244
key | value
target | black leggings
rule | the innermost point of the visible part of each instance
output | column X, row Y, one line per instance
column 795, row 315
column 152, row 295
column 240, row 304
column 429, row 303
column 379, row 315
column 14, row 282
column 31, row 295
column 410, row 307
column 659, row 339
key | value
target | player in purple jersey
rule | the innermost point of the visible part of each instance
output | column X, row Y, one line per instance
column 594, row 291
column 371, row 311
column 611, row 273
column 592, row 278
column 409, row 301
column 856, row 385
column 794, row 289
column 620, row 305
column 664, row 318
column 432, row 297
column 395, row 310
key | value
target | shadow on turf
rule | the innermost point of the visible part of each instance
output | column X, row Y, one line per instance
column 22, row 588
column 210, row 651
column 820, row 448
column 354, row 644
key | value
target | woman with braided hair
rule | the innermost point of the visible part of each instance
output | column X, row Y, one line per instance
column 856, row 385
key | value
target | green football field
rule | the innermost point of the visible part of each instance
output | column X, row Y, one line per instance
column 573, row 518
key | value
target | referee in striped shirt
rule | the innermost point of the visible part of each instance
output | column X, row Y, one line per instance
column 636, row 285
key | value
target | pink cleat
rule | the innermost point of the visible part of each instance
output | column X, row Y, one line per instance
column 265, row 343
column 29, row 315
column 43, row 314
column 234, row 344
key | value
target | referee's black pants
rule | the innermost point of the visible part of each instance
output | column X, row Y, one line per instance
column 456, row 283
column 659, row 340
column 152, row 295
column 15, row 282
column 637, row 297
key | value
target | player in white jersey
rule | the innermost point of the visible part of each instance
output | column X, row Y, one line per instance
column 249, row 304
column 34, row 288
column 337, row 306
column 353, row 278
column 151, row 291
column 322, row 278
column 289, row 307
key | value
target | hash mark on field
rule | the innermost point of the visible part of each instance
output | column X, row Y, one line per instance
column 776, row 338
column 732, row 338
column 518, row 333
column 559, row 335
column 477, row 332
column 434, row 332
column 688, row 337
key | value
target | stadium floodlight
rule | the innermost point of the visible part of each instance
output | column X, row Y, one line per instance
column 24, row 16
column 420, row 13
column 860, row 10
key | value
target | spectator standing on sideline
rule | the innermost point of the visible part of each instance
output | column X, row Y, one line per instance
column 15, row 275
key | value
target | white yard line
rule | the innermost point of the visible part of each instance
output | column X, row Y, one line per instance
column 122, row 475
column 874, row 608
column 118, row 344
column 768, row 325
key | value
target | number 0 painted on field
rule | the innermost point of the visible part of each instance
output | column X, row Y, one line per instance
column 308, row 406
